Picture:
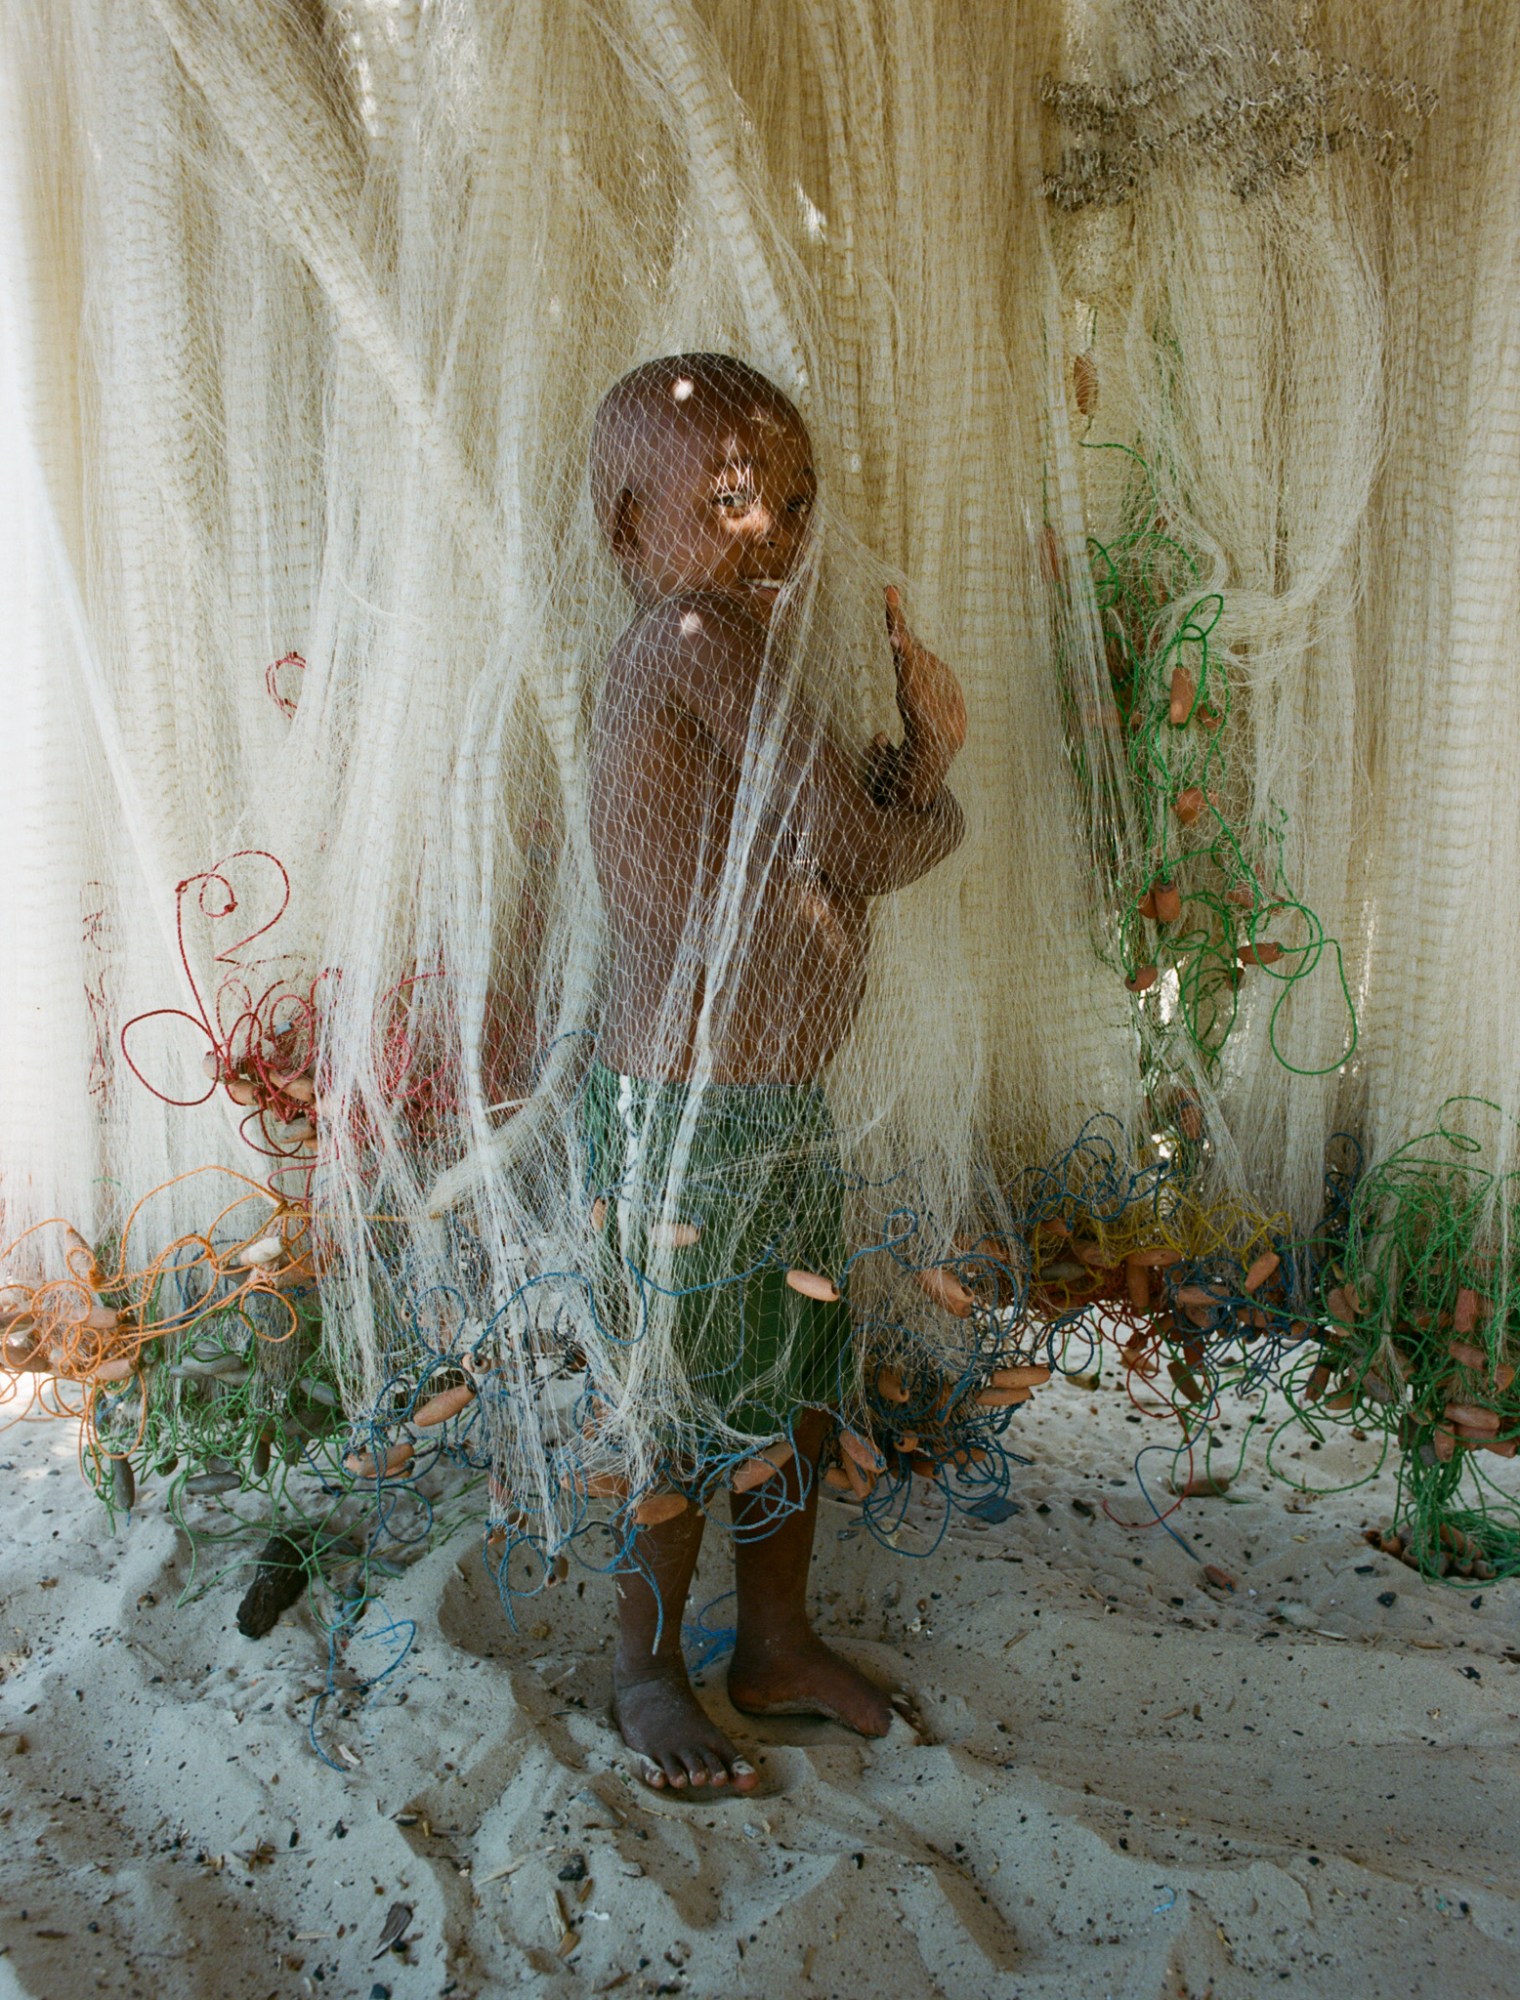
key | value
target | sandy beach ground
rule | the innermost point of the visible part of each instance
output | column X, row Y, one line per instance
column 1123, row 1782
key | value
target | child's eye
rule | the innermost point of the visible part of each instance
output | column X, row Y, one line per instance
column 801, row 504
column 734, row 500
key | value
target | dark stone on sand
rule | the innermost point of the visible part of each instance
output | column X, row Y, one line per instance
column 278, row 1582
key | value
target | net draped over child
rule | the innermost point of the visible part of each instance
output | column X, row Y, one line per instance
column 737, row 848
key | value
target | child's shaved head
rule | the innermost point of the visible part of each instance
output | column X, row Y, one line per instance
column 702, row 480
column 647, row 416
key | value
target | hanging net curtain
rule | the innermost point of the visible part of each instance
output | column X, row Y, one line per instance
column 1162, row 357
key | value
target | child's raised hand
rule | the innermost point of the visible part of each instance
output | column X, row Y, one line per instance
column 930, row 701
column 929, row 696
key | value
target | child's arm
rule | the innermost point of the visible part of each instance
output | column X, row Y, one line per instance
column 867, row 831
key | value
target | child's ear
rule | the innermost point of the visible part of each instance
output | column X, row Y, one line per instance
column 624, row 532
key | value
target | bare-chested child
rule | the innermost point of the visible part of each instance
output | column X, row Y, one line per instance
column 703, row 485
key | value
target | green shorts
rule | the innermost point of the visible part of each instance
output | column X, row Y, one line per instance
column 706, row 1210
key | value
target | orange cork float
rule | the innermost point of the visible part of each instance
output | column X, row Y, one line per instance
column 607, row 1486
column 860, row 1479
column 282, row 1277
column 1138, row 1279
column 860, row 1451
column 765, row 1464
column 80, row 1259
column 1024, row 1375
column 447, row 1403
column 889, row 1386
column 97, row 1319
column 674, row 1235
column 364, row 1465
column 813, row 1285
column 1189, row 1115
column 268, row 1250
column 1138, row 1356
column 1472, row 1417
column 1467, row 1312
column 1344, row 1304
column 946, row 1290
column 1197, row 1302
column 1188, row 1387
column 1184, row 694
column 1142, row 979
column 1262, row 1269
column 1167, row 898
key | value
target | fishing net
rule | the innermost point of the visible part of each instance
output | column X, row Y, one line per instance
column 509, row 961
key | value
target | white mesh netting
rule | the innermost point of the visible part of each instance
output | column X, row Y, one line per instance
column 532, row 816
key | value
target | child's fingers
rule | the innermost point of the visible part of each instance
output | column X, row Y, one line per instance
column 897, row 625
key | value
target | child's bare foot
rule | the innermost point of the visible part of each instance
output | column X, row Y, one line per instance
column 679, row 1747
column 806, row 1677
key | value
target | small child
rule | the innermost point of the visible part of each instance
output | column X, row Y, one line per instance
column 703, row 485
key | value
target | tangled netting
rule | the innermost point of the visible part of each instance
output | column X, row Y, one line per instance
column 1198, row 923
column 840, row 763
column 202, row 1367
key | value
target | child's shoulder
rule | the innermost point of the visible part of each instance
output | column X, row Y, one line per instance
column 682, row 633
column 688, row 619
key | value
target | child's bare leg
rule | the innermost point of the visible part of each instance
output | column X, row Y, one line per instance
column 780, row 1665
column 652, row 1703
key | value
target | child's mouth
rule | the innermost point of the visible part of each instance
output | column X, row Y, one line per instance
column 766, row 589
